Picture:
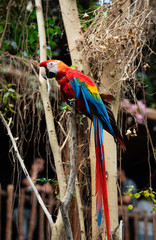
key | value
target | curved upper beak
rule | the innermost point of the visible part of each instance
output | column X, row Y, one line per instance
column 43, row 67
column 43, row 64
column 43, row 72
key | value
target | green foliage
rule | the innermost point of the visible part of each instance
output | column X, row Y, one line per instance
column 86, row 15
column 149, row 87
column 64, row 106
column 53, row 182
column 81, row 119
column 73, row 66
column 74, row 194
column 84, row 183
column 147, row 79
column 130, row 207
column 21, row 36
column 67, row 166
column 8, row 97
column 148, row 194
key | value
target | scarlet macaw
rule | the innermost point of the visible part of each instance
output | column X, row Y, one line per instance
column 75, row 85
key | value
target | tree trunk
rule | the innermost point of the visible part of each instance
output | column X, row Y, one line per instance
column 95, row 229
column 74, row 33
column 47, row 106
column 109, row 81
column 56, row 228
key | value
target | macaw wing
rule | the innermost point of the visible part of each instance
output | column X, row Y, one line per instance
column 92, row 100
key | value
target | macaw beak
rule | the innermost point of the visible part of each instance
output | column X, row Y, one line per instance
column 45, row 71
column 43, row 64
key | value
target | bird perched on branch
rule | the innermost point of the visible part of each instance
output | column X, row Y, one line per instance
column 75, row 85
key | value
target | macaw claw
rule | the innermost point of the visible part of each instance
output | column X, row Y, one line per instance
column 72, row 102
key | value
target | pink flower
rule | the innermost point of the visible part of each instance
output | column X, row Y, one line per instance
column 137, row 110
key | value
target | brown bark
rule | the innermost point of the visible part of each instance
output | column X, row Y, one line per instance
column 108, row 79
column 56, row 229
column 21, row 214
column 32, row 217
column 74, row 33
column 95, row 229
column 41, row 221
column 8, row 231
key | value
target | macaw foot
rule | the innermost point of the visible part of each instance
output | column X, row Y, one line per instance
column 72, row 102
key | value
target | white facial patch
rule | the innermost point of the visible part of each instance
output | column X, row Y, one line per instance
column 52, row 67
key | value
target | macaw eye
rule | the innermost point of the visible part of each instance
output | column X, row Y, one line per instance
column 51, row 63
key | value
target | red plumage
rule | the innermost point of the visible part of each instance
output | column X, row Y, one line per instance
column 75, row 85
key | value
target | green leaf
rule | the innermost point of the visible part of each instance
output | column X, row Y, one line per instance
column 11, row 105
column 52, row 43
column 54, row 183
column 146, row 193
column 154, row 208
column 136, row 195
column 131, row 188
column 152, row 195
column 82, row 119
column 10, row 84
column 1, row 29
column 74, row 194
column 39, row 105
column 105, row 14
column 130, row 207
column 67, row 107
column 49, row 53
column 11, row 90
column 18, row 96
column 5, row 98
column 73, row 66
column 51, row 30
column 58, row 196
column 84, row 183
column 11, row 110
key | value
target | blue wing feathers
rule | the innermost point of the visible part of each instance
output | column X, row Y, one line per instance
column 95, row 108
column 93, row 105
column 76, row 86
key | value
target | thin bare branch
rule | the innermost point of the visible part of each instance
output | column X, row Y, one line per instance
column 64, row 143
column 72, row 176
column 21, row 161
column 80, row 210
column 6, row 21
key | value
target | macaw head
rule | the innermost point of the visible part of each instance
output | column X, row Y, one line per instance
column 53, row 68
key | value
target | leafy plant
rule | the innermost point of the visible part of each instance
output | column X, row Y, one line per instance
column 8, row 96
column 21, row 36
column 148, row 194
column 53, row 182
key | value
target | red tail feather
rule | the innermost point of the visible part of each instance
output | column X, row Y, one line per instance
column 101, row 187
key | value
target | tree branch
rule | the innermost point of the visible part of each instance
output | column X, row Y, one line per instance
column 47, row 106
column 6, row 21
column 56, row 231
column 72, row 176
column 74, row 33
column 26, row 172
column 80, row 210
